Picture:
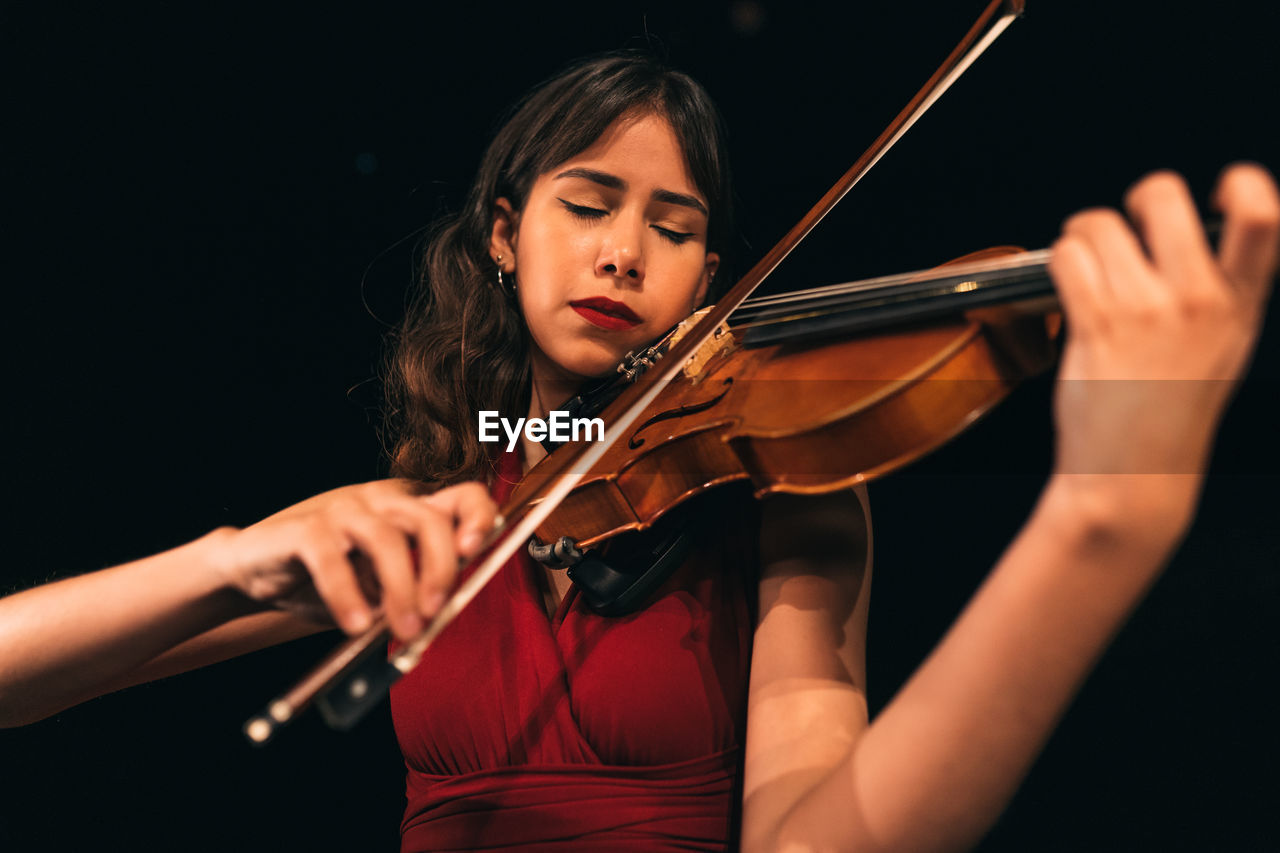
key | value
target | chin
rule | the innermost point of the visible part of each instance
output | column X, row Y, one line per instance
column 591, row 362
column 595, row 368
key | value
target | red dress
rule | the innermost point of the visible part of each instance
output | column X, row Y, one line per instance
column 582, row 732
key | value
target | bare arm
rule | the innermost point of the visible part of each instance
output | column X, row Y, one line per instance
column 807, row 703
column 59, row 644
column 939, row 764
column 1159, row 338
column 212, row 599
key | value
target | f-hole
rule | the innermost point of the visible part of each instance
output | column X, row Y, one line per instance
column 680, row 411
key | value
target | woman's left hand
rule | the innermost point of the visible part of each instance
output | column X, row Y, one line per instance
column 1160, row 327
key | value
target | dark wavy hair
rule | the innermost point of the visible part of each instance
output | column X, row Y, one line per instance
column 463, row 345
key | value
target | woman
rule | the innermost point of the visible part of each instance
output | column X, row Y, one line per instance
column 631, row 211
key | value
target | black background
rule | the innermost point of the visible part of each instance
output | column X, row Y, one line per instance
column 210, row 220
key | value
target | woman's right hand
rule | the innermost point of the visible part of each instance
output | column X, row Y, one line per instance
column 346, row 552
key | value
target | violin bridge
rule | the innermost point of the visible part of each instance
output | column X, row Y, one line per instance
column 719, row 342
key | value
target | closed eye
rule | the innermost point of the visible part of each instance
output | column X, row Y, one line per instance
column 582, row 211
column 676, row 237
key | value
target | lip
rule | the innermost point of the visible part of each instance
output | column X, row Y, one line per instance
column 606, row 313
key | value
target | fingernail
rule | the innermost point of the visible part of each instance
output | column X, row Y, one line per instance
column 433, row 603
column 411, row 625
column 357, row 621
column 471, row 542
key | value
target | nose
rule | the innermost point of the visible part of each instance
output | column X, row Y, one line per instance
column 621, row 252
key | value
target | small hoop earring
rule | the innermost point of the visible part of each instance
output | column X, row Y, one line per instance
column 502, row 284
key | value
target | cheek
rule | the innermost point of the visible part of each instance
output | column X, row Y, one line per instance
column 549, row 259
column 548, row 254
column 684, row 276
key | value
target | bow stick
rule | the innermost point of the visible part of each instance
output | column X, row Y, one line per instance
column 354, row 678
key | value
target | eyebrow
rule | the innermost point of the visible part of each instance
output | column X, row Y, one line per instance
column 613, row 182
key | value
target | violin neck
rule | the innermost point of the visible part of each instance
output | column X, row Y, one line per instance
column 898, row 300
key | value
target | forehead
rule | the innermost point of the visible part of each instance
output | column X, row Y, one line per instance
column 642, row 149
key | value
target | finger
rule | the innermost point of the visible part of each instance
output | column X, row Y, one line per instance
column 1122, row 266
column 366, row 577
column 437, row 558
column 388, row 550
column 1080, row 284
column 1247, row 196
column 325, row 555
column 473, row 512
column 1165, row 215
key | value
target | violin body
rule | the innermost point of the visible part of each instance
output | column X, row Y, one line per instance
column 803, row 417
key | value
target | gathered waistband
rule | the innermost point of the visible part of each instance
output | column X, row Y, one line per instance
column 684, row 806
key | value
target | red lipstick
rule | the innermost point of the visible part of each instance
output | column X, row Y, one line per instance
column 606, row 313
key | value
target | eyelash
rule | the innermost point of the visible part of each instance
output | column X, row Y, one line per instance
column 589, row 214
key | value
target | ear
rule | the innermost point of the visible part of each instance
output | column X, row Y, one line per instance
column 708, row 273
column 502, row 240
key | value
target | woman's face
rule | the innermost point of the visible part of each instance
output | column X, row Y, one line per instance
column 609, row 251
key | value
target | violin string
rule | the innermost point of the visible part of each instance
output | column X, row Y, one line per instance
column 758, row 304
column 1022, row 259
column 986, row 270
column 928, row 301
column 917, row 299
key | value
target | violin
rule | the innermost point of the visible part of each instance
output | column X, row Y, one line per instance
column 804, row 393
column 797, row 394
column 794, row 395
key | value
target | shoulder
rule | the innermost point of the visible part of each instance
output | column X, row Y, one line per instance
column 825, row 534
